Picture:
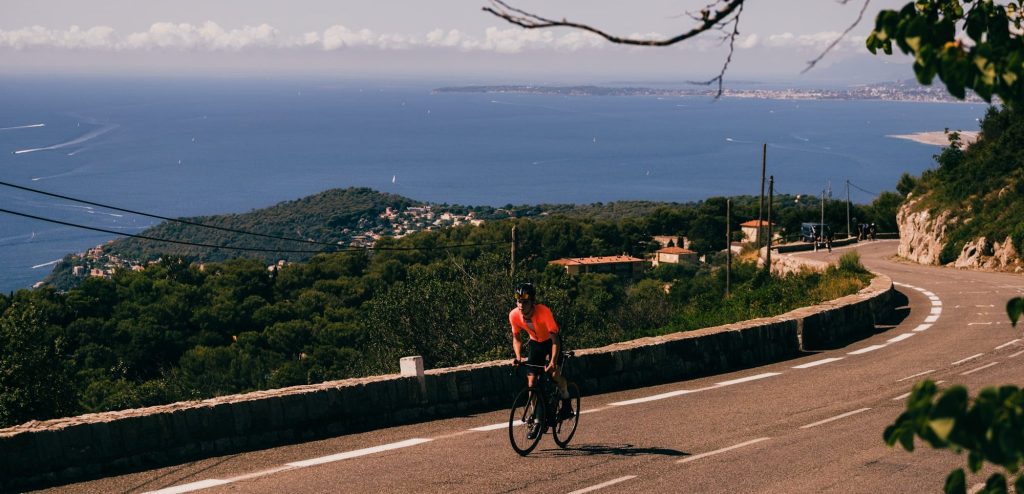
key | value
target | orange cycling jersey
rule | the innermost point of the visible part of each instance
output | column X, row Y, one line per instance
column 542, row 321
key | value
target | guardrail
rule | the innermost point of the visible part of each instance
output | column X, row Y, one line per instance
column 64, row 450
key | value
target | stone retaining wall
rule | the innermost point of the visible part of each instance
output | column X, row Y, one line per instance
column 63, row 450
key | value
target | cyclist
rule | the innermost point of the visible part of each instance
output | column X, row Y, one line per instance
column 538, row 322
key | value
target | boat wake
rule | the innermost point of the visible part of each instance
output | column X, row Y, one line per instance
column 78, row 140
column 33, row 126
column 43, row 265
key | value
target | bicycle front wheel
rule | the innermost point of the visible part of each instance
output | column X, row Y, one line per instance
column 568, row 419
column 526, row 422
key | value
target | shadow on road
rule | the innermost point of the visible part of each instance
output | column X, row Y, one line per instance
column 609, row 449
column 900, row 311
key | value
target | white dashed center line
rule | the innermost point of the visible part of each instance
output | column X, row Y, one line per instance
column 919, row 374
column 972, row 357
column 972, row 371
column 837, row 417
column 603, row 485
column 723, row 450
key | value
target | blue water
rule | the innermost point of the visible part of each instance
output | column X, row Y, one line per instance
column 189, row 147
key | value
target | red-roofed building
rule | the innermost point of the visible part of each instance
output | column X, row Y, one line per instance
column 624, row 266
column 750, row 230
column 674, row 255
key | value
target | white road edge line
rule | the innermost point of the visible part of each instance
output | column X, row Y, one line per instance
column 194, row 486
column 919, row 374
column 866, row 349
column 900, row 397
column 494, row 427
column 603, row 485
column 837, row 417
column 1008, row 343
column 1016, row 354
column 359, row 452
column 972, row 357
column 972, row 371
column 901, row 337
column 817, row 362
column 723, row 450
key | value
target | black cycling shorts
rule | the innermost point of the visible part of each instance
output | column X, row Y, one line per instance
column 540, row 354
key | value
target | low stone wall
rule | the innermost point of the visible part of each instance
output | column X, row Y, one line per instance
column 63, row 450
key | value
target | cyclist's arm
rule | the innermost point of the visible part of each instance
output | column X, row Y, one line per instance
column 556, row 344
column 517, row 344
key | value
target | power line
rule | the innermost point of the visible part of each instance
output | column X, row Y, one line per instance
column 176, row 220
column 249, row 249
column 864, row 190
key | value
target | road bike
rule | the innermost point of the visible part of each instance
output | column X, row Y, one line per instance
column 539, row 408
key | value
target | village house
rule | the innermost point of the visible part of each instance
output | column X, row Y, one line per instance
column 751, row 232
column 674, row 255
column 623, row 266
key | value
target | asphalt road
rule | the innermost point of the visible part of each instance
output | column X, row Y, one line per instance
column 811, row 424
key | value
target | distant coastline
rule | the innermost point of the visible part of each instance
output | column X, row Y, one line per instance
column 939, row 138
column 901, row 91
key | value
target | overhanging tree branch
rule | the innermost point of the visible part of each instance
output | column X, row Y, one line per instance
column 715, row 16
column 709, row 19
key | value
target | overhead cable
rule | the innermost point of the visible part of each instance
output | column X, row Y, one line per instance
column 165, row 218
column 249, row 249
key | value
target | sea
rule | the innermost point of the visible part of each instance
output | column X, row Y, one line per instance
column 187, row 147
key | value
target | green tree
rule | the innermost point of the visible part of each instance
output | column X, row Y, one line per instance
column 34, row 381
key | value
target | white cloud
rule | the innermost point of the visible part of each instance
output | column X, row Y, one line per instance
column 747, row 42
column 818, row 40
column 210, row 36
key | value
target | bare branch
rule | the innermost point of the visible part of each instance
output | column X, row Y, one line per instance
column 812, row 63
column 732, row 48
column 708, row 20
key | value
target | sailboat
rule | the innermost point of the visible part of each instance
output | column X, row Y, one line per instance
column 394, row 178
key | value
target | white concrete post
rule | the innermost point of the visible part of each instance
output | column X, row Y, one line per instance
column 413, row 367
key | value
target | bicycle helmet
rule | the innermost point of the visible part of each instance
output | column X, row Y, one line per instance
column 526, row 291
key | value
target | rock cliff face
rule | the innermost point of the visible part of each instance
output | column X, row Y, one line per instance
column 923, row 235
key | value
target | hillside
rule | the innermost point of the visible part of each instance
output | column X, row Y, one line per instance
column 967, row 211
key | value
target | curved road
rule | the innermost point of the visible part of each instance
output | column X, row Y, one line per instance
column 811, row 424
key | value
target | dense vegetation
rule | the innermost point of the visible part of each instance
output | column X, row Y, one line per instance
column 983, row 184
column 179, row 330
column 333, row 219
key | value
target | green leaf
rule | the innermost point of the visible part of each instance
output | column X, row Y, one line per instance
column 996, row 484
column 942, row 427
column 956, row 482
column 1014, row 308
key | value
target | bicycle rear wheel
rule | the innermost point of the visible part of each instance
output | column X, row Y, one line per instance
column 527, row 421
column 565, row 428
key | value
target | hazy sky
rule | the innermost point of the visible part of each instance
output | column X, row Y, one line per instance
column 446, row 39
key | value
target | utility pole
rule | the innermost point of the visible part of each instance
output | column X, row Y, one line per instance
column 847, row 208
column 512, row 272
column 821, row 226
column 760, row 207
column 728, row 245
column 768, row 250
